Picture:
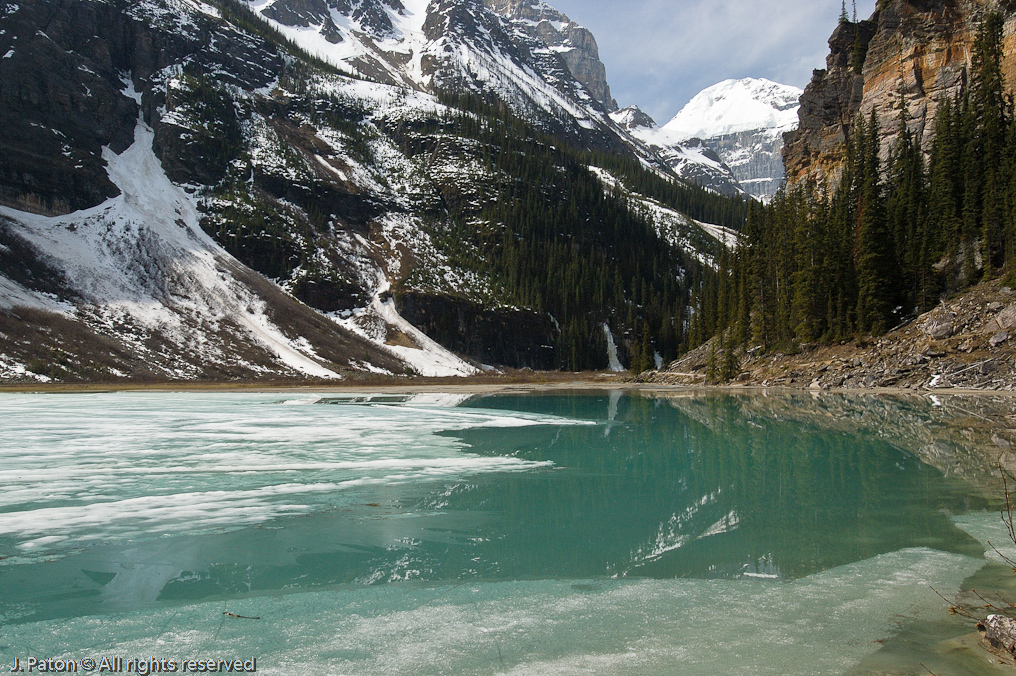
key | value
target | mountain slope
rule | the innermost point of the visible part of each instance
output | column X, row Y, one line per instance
column 523, row 53
column 304, row 214
column 138, row 268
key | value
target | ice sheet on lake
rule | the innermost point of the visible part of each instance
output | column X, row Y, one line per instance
column 118, row 466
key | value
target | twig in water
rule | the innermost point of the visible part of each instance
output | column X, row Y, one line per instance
column 956, row 610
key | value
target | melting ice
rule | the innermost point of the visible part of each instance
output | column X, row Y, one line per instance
column 389, row 534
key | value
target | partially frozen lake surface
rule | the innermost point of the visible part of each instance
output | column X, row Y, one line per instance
column 578, row 533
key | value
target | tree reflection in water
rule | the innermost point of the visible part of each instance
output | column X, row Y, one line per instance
column 654, row 490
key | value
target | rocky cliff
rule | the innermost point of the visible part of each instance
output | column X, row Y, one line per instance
column 913, row 53
column 574, row 44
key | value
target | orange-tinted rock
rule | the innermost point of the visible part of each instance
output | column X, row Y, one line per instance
column 918, row 55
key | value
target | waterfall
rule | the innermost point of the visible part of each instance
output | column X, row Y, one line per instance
column 615, row 365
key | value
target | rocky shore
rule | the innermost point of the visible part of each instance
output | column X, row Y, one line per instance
column 968, row 342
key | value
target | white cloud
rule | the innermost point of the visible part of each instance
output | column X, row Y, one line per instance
column 660, row 53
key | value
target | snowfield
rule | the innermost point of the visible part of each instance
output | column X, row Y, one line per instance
column 141, row 259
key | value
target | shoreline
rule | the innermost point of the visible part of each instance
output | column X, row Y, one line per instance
column 543, row 382
column 968, row 434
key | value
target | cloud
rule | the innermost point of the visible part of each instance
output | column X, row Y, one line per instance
column 660, row 53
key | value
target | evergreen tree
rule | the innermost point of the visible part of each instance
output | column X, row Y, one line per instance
column 906, row 210
column 987, row 88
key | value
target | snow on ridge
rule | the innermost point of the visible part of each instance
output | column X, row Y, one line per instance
column 400, row 54
column 734, row 106
column 673, row 226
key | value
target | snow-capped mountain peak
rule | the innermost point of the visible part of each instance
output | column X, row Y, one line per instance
column 735, row 106
column 688, row 158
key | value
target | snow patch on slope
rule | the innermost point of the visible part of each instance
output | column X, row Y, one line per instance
column 722, row 234
column 424, row 355
column 141, row 259
column 14, row 295
column 676, row 228
column 430, row 359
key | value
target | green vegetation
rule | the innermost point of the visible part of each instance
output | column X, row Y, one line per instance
column 272, row 240
column 554, row 241
column 889, row 240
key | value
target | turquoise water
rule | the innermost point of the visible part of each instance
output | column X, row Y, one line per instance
column 441, row 534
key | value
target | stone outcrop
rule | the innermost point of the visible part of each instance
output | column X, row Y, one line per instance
column 575, row 45
column 916, row 53
column 999, row 633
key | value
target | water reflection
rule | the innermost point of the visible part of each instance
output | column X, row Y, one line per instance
column 657, row 487
column 724, row 495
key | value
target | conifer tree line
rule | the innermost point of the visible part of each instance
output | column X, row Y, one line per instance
column 554, row 241
column 894, row 236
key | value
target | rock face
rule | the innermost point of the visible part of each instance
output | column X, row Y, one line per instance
column 54, row 127
column 505, row 336
column 755, row 158
column 562, row 36
column 915, row 51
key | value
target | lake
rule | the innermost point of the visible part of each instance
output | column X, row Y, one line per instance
column 566, row 533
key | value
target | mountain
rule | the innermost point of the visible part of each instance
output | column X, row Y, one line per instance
column 323, row 188
column 738, row 106
column 689, row 158
column 521, row 52
column 524, row 53
column 735, row 126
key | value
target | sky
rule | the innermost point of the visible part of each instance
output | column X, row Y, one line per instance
column 660, row 53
